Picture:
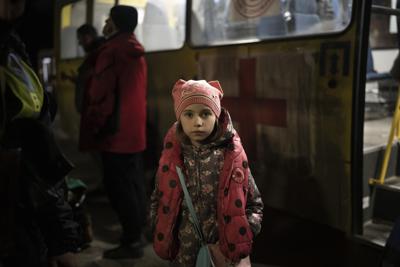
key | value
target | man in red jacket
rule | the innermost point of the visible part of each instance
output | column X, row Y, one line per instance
column 114, row 122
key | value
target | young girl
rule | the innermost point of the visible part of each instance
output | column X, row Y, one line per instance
column 204, row 144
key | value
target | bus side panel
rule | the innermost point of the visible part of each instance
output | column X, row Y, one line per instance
column 65, row 95
column 291, row 103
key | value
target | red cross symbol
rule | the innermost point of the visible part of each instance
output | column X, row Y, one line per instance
column 248, row 110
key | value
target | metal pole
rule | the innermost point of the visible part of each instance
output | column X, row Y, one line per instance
column 385, row 10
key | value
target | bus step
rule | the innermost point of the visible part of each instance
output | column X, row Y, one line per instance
column 385, row 201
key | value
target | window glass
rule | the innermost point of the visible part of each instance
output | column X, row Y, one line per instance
column 161, row 23
column 217, row 22
column 72, row 16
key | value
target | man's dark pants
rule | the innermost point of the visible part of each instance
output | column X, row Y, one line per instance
column 124, row 181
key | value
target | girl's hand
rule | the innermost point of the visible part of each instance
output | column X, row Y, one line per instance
column 65, row 260
column 220, row 260
column 217, row 256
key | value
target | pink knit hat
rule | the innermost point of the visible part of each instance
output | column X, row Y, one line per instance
column 190, row 92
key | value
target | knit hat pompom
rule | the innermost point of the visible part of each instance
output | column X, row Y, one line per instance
column 186, row 93
column 124, row 17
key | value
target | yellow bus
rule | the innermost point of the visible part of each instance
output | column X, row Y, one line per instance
column 294, row 78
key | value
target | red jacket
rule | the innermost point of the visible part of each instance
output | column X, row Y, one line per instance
column 235, row 235
column 114, row 107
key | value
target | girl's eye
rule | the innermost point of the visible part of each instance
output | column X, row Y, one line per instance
column 188, row 114
column 206, row 114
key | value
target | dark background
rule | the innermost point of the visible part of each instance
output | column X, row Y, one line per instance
column 36, row 27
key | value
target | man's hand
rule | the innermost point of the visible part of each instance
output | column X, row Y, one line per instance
column 64, row 260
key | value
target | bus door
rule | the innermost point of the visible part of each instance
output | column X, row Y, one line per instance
column 381, row 182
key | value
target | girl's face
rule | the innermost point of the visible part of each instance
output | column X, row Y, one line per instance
column 197, row 122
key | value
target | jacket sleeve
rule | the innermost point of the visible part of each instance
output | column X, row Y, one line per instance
column 101, row 91
column 254, row 206
column 56, row 222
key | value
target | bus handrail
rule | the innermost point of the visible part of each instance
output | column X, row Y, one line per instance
column 374, row 76
column 394, row 132
column 385, row 10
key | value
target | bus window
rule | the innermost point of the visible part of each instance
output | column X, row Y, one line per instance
column 72, row 16
column 224, row 22
column 101, row 11
column 161, row 23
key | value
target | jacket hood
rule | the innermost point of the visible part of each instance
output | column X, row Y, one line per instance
column 225, row 129
column 138, row 48
column 122, row 37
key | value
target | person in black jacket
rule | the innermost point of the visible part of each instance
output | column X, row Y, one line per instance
column 89, row 40
column 36, row 224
